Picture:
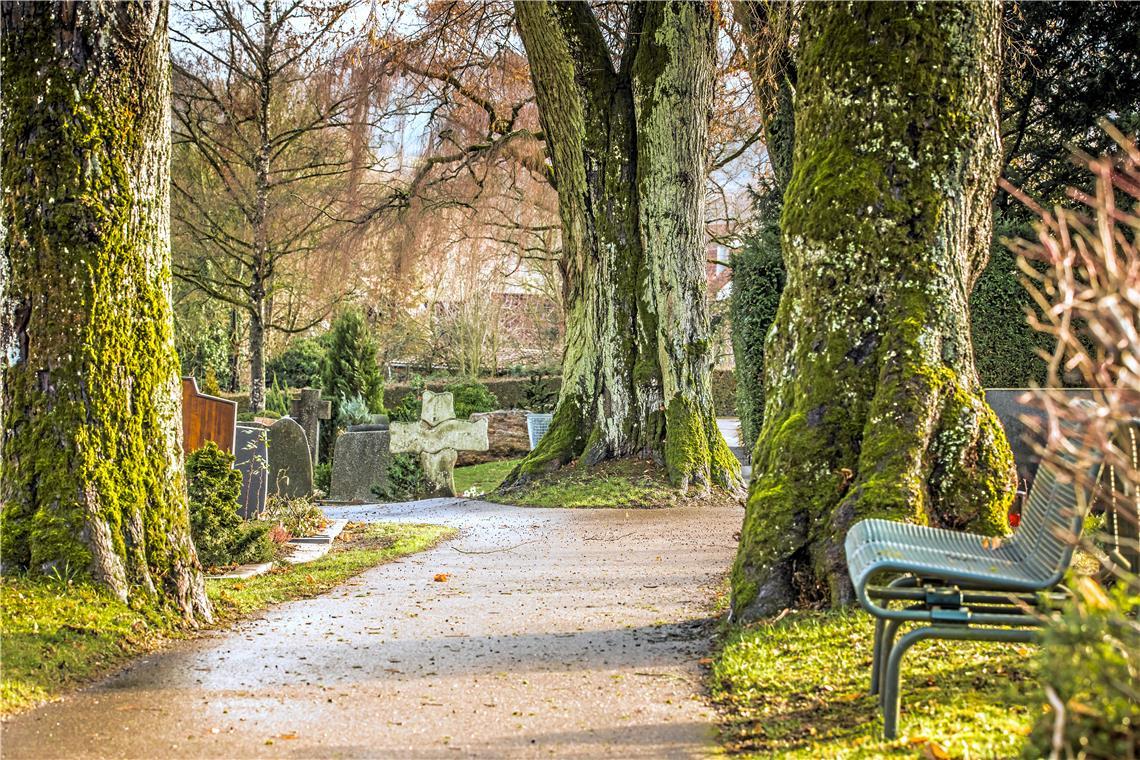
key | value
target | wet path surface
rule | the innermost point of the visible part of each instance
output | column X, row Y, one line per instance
column 558, row 633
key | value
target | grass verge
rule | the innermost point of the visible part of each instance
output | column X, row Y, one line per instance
column 620, row 484
column 797, row 688
column 484, row 477
column 57, row 635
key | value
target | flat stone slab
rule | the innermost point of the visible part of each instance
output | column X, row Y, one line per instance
column 326, row 536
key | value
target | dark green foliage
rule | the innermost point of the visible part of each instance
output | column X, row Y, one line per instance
column 1066, row 66
column 300, row 365
column 471, row 396
column 539, row 395
column 201, row 350
column 322, row 476
column 406, row 479
column 277, row 400
column 220, row 535
column 1090, row 655
column 351, row 368
column 214, row 487
column 757, row 281
column 1005, row 346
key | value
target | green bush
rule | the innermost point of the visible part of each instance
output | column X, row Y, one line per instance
column 322, row 477
column 407, row 408
column 210, row 385
column 471, row 396
column 1090, row 655
column 215, row 525
column 757, row 281
column 353, row 411
column 406, row 479
column 277, row 400
column 200, row 350
column 539, row 396
column 1005, row 346
column 300, row 365
column 350, row 368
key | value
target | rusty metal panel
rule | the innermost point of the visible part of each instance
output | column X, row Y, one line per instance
column 206, row 418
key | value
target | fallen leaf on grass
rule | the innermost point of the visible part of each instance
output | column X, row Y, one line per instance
column 441, row 577
column 289, row 736
column 931, row 750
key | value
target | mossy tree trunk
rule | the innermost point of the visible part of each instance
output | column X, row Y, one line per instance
column 874, row 407
column 91, row 454
column 627, row 143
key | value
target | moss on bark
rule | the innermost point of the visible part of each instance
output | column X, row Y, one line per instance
column 91, row 455
column 873, row 407
column 627, row 143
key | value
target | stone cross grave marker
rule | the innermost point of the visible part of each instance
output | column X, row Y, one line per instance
column 437, row 437
column 309, row 409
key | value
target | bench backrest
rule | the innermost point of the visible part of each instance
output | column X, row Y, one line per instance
column 1053, row 515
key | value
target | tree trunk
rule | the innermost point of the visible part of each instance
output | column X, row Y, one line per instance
column 92, row 460
column 628, row 151
column 874, row 407
column 257, row 348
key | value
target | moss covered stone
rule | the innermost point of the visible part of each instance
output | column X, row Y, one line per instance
column 873, row 406
column 91, row 455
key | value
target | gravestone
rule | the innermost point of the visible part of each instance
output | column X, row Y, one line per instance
column 309, row 409
column 206, row 418
column 290, row 466
column 251, row 458
column 360, row 462
column 437, row 437
column 536, row 427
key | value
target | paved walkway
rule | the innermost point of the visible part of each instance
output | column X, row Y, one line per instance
column 559, row 633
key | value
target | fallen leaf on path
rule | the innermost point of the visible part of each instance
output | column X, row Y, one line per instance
column 288, row 736
column 441, row 577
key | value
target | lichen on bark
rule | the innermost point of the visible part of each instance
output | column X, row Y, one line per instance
column 627, row 142
column 873, row 406
column 92, row 478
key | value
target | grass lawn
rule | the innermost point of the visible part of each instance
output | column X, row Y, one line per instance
column 484, row 477
column 59, row 635
column 621, row 484
column 797, row 688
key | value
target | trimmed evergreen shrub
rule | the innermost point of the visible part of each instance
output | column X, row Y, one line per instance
column 350, row 368
column 277, row 400
column 219, row 533
column 471, row 396
column 300, row 365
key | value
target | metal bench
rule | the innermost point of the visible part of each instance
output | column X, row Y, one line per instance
column 963, row 586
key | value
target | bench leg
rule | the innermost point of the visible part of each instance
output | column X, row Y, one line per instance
column 877, row 654
column 890, row 631
column 909, row 639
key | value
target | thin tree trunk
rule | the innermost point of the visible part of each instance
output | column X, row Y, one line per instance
column 874, row 408
column 92, row 461
column 627, row 146
column 260, row 293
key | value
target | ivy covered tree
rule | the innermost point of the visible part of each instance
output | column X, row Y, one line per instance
column 873, row 405
column 91, row 453
column 350, row 365
column 626, row 127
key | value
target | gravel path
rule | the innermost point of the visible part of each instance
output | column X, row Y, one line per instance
column 564, row 633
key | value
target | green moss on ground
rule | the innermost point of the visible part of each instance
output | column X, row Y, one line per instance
column 59, row 635
column 616, row 484
column 797, row 688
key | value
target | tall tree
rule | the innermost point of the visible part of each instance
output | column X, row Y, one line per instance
column 91, row 455
column 874, row 407
column 626, row 134
column 266, row 129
